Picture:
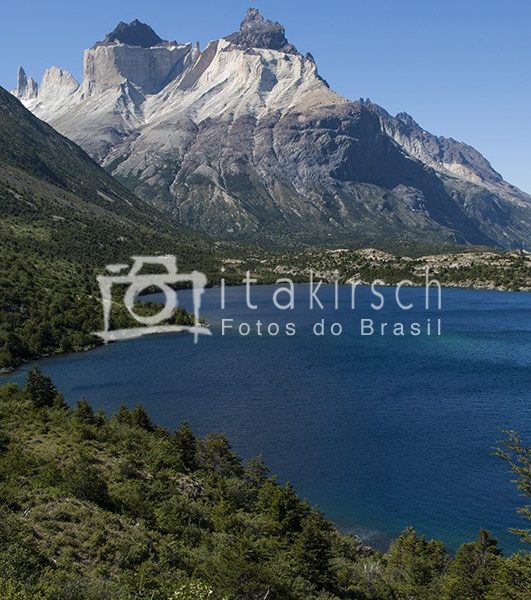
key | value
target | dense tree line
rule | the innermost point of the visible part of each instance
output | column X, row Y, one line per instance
column 93, row 507
column 49, row 297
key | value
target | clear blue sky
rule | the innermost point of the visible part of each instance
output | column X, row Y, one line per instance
column 461, row 68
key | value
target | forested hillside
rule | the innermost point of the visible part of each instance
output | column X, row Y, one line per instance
column 62, row 219
column 97, row 508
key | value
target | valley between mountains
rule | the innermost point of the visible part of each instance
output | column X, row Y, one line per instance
column 241, row 161
column 64, row 218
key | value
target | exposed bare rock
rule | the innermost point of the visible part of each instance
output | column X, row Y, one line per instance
column 245, row 140
column 26, row 89
column 257, row 32
column 440, row 152
column 190, row 487
column 132, row 34
column 57, row 85
column 150, row 69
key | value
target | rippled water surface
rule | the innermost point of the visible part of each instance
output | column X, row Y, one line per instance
column 379, row 432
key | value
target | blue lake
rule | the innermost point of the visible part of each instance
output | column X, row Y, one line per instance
column 380, row 432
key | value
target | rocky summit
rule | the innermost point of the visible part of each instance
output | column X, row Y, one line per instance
column 132, row 34
column 245, row 140
column 256, row 32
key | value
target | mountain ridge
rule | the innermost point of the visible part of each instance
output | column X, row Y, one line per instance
column 204, row 135
column 62, row 219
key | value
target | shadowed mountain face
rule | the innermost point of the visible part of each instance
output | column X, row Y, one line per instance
column 133, row 34
column 33, row 147
column 257, row 32
column 55, row 196
column 245, row 140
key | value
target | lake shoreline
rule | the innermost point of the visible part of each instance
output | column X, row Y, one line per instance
column 11, row 369
column 350, row 421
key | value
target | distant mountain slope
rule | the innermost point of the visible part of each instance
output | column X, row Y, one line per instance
column 62, row 219
column 33, row 147
column 245, row 140
column 38, row 166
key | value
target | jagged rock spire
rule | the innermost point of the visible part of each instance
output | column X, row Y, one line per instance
column 32, row 89
column 252, row 18
column 257, row 32
column 26, row 88
column 22, row 81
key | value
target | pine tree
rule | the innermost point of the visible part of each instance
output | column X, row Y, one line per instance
column 215, row 455
column 257, row 471
column 186, row 446
column 40, row 389
column 123, row 415
column 282, row 506
column 473, row 570
column 513, row 579
column 518, row 456
column 83, row 412
column 140, row 418
column 415, row 565
column 312, row 550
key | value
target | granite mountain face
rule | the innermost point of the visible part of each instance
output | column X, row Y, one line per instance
column 53, row 194
column 245, row 140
